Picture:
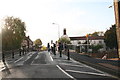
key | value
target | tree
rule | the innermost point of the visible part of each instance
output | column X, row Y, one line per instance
column 37, row 43
column 99, row 33
column 13, row 32
column 111, row 38
column 64, row 40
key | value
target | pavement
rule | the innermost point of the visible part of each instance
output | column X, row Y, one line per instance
column 109, row 66
column 9, row 60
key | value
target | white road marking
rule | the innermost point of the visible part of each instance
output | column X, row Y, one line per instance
column 71, row 65
column 34, row 59
column 40, row 64
column 88, row 73
column 21, row 62
column 32, row 63
column 2, row 69
column 51, row 57
column 88, row 66
column 93, row 68
column 100, row 71
column 29, row 53
column 74, row 60
column 18, row 60
column 65, row 72
column 28, row 57
column 37, row 57
column 21, row 58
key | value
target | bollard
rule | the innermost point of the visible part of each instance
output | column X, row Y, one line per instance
column 23, row 51
column 60, row 49
column 54, row 49
column 60, row 53
column 20, row 53
column 68, row 55
column 3, row 57
column 13, row 54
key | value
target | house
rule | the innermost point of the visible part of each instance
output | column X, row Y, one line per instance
column 93, row 40
column 27, row 43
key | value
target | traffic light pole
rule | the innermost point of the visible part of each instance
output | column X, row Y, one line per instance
column 117, row 19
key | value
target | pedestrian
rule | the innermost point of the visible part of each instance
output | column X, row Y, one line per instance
column 48, row 46
column 60, row 49
column 51, row 49
column 54, row 48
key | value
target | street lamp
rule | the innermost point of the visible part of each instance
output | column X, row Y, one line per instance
column 58, row 29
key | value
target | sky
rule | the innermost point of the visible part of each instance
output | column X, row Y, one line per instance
column 79, row 17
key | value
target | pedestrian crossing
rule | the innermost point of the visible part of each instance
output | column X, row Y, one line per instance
column 23, row 59
column 39, row 58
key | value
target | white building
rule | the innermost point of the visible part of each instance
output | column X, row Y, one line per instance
column 93, row 40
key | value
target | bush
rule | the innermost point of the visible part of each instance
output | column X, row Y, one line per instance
column 95, row 48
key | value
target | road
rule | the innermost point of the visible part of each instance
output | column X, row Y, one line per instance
column 46, row 65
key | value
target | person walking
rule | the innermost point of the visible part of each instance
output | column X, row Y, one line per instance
column 48, row 46
column 54, row 48
column 60, row 49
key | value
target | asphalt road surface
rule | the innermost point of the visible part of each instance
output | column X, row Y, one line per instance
column 44, row 65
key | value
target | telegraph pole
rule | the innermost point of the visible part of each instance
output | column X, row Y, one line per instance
column 117, row 20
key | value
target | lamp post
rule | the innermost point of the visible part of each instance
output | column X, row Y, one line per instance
column 1, row 50
column 58, row 29
column 117, row 19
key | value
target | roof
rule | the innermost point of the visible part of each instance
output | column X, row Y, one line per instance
column 90, row 38
column 28, row 38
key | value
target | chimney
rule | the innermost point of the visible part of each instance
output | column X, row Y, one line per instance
column 28, row 37
column 64, row 31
